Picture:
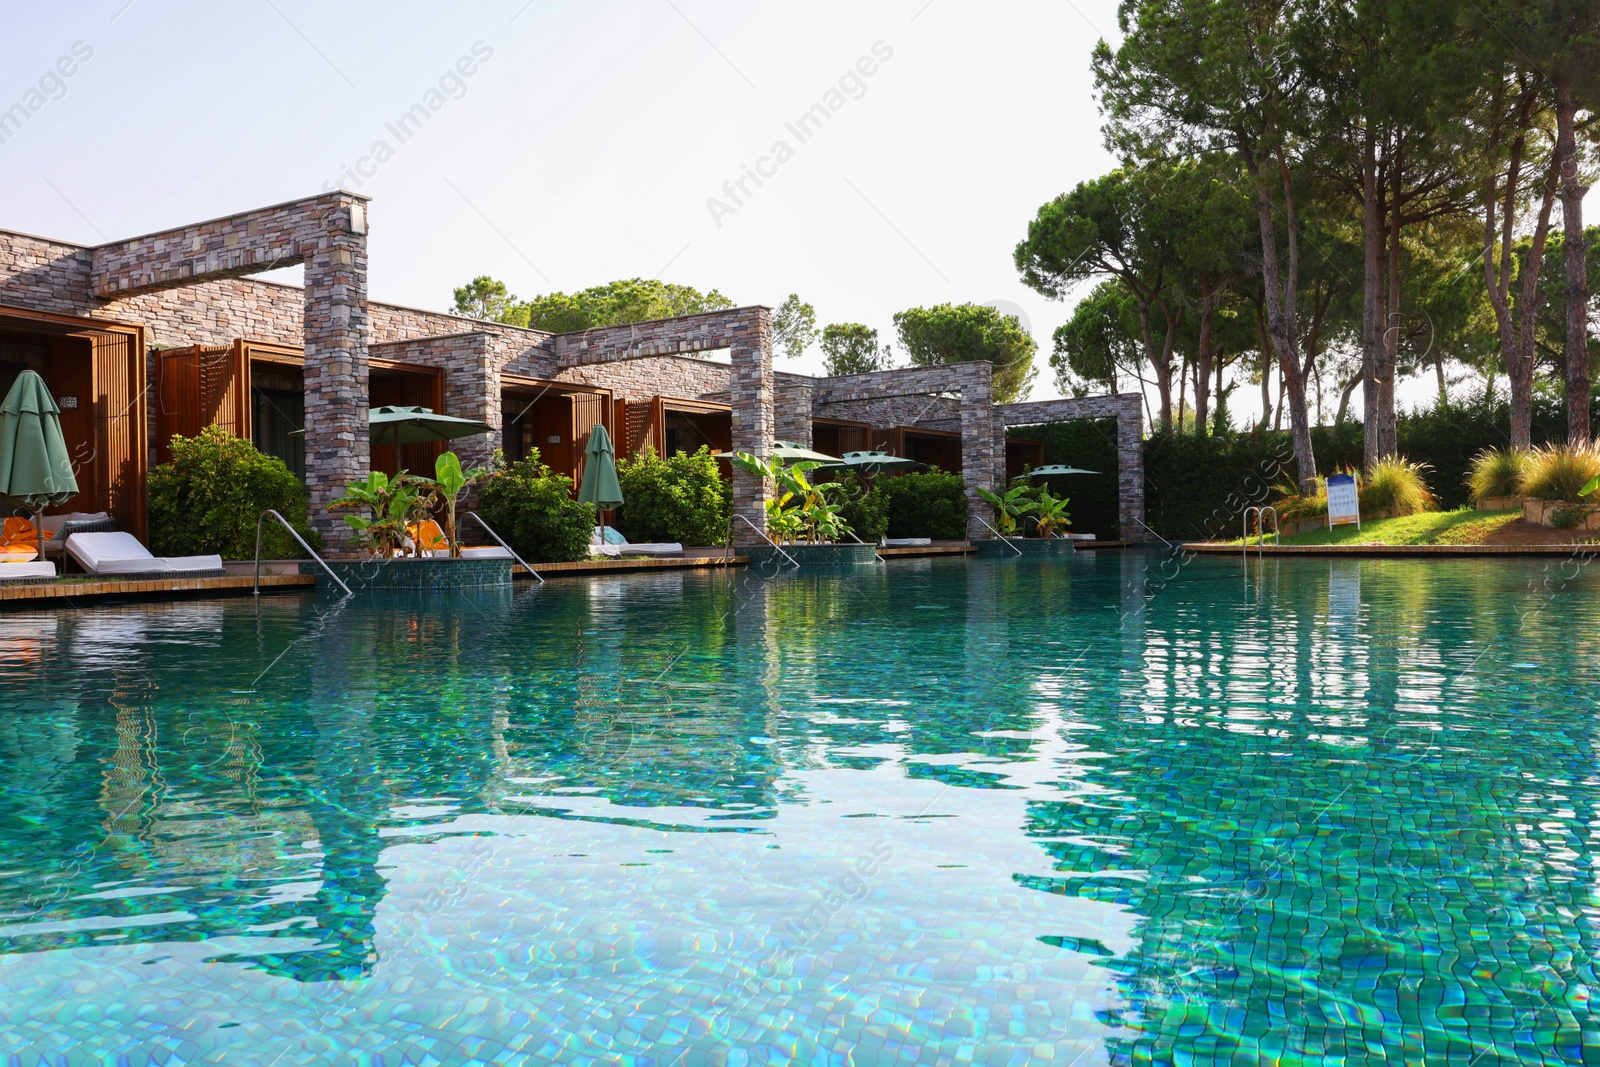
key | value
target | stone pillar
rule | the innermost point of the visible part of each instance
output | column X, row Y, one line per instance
column 1130, row 468
column 794, row 410
column 978, row 448
column 338, row 449
column 753, row 418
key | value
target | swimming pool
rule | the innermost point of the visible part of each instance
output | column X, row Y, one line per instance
column 1095, row 811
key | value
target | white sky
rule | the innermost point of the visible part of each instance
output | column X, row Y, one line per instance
column 586, row 147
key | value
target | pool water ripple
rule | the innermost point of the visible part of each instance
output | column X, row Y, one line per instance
column 1081, row 812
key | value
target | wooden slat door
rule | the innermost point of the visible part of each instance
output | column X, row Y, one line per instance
column 119, row 415
column 200, row 386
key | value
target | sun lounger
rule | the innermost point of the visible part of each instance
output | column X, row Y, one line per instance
column 610, row 542
column 907, row 542
column 26, row 572
column 121, row 554
column 57, row 528
column 486, row 552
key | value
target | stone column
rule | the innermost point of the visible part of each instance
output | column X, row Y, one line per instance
column 978, row 448
column 794, row 411
column 753, row 418
column 1130, row 468
column 338, row 450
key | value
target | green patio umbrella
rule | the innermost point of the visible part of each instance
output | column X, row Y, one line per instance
column 872, row 463
column 600, row 486
column 35, row 468
column 1050, row 469
column 395, row 425
column 791, row 454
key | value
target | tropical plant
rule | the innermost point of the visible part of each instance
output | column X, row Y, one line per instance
column 209, row 496
column 1397, row 486
column 1497, row 473
column 925, row 504
column 532, row 507
column 1594, row 483
column 1049, row 514
column 395, row 505
column 799, row 506
column 1560, row 472
column 449, row 482
column 1009, row 509
column 682, row 497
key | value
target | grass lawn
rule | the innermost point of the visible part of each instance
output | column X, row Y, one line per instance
column 1464, row 527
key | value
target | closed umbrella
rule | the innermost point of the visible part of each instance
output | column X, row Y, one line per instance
column 600, row 486
column 35, row 468
column 396, row 425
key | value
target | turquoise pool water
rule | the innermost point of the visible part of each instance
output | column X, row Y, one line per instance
column 1082, row 812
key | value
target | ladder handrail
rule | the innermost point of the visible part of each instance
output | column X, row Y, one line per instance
column 858, row 541
column 998, row 534
column 295, row 534
column 760, row 533
column 1157, row 536
column 1261, row 528
column 508, row 548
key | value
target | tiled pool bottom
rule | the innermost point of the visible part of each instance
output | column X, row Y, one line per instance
column 1085, row 811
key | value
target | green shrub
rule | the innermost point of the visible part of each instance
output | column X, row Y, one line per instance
column 926, row 504
column 1559, row 472
column 1396, row 485
column 865, row 509
column 207, row 500
column 682, row 498
column 1569, row 516
column 1496, row 472
column 532, row 507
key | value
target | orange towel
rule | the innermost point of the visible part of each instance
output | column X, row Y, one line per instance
column 428, row 536
column 20, row 532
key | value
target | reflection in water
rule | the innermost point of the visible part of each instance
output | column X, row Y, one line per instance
column 1104, row 809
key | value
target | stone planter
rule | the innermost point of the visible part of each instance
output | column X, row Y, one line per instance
column 1542, row 513
column 432, row 575
column 1498, row 503
column 764, row 556
column 1030, row 547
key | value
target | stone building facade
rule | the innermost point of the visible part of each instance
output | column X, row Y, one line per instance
column 190, row 286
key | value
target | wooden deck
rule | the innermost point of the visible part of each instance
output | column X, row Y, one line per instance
column 64, row 593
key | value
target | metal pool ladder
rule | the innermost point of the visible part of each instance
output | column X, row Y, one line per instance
column 294, row 534
column 728, row 554
column 508, row 548
column 1261, row 514
column 1000, row 535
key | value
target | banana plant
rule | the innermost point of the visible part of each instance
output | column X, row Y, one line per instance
column 449, row 482
column 1594, row 483
column 394, row 502
column 1050, row 514
column 1009, row 509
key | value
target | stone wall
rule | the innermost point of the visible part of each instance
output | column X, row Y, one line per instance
column 685, row 377
column 792, row 408
column 1127, row 409
column 909, row 391
column 747, row 335
column 929, row 412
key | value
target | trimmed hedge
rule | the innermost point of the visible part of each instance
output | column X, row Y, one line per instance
column 682, row 498
column 206, row 501
column 865, row 510
column 532, row 507
column 1197, row 487
column 925, row 504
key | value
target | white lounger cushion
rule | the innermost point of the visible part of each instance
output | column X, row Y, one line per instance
column 485, row 552
column 121, row 553
column 11, row 571
column 907, row 542
column 610, row 542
